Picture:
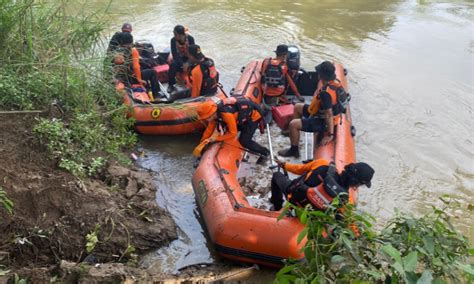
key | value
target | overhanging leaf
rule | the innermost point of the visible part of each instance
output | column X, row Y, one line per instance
column 468, row 268
column 425, row 278
column 285, row 270
column 399, row 268
column 377, row 275
column 304, row 217
column 337, row 259
column 346, row 242
column 283, row 212
column 301, row 235
column 471, row 251
column 410, row 261
column 392, row 252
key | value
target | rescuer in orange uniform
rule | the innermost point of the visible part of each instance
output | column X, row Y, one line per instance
column 318, row 183
column 324, row 112
column 203, row 75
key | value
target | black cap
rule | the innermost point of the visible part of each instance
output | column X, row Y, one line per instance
column 179, row 29
column 326, row 71
column 281, row 49
column 195, row 50
column 363, row 173
column 125, row 38
column 127, row 27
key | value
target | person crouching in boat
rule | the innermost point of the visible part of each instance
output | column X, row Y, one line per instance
column 322, row 115
column 231, row 116
column 203, row 75
column 127, row 66
column 318, row 183
column 276, row 78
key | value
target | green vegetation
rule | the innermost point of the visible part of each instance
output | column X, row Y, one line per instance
column 5, row 202
column 407, row 250
column 48, row 54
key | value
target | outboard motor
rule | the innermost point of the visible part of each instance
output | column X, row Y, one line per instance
column 293, row 59
column 145, row 49
column 164, row 56
column 147, row 54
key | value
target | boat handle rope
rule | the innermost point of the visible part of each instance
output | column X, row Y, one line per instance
column 217, row 165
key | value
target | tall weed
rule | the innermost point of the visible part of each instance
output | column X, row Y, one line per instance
column 49, row 53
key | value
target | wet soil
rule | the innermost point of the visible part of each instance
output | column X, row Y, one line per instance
column 54, row 211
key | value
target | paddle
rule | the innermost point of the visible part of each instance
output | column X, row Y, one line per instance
column 268, row 119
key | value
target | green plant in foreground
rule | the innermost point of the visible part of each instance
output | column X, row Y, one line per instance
column 408, row 249
column 7, row 203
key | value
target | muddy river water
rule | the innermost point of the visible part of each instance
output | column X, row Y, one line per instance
column 410, row 75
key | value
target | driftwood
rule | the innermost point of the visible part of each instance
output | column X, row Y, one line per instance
column 22, row 111
column 54, row 110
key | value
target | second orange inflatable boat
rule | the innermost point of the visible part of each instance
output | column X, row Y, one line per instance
column 244, row 233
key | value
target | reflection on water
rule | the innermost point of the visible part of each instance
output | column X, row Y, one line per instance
column 410, row 75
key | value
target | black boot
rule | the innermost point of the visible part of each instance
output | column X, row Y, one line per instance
column 293, row 151
column 263, row 157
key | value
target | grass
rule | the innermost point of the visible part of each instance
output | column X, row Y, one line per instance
column 49, row 54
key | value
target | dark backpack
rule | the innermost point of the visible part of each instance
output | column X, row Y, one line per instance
column 210, row 77
column 244, row 107
column 273, row 76
column 342, row 100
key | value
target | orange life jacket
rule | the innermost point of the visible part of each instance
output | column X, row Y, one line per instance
column 338, row 99
column 210, row 77
column 320, row 196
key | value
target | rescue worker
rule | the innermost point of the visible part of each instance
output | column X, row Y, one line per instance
column 127, row 66
column 203, row 75
column 276, row 77
column 179, row 49
column 318, row 183
column 231, row 116
column 114, row 42
column 322, row 115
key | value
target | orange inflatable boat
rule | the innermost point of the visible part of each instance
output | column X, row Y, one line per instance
column 180, row 117
column 164, row 118
column 239, row 231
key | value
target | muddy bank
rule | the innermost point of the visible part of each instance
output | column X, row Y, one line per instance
column 55, row 211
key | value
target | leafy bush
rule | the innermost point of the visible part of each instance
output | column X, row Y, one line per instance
column 48, row 54
column 342, row 247
column 81, row 147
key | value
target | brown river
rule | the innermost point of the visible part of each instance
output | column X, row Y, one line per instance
column 410, row 75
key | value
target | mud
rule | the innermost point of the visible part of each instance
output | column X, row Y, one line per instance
column 54, row 211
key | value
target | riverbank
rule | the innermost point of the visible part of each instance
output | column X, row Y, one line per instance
column 57, row 217
column 46, row 236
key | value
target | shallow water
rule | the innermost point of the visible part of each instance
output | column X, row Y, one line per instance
column 410, row 75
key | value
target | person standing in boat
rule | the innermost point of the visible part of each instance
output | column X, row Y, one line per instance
column 322, row 115
column 127, row 66
column 228, row 118
column 276, row 78
column 203, row 75
column 180, row 43
column 318, row 183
